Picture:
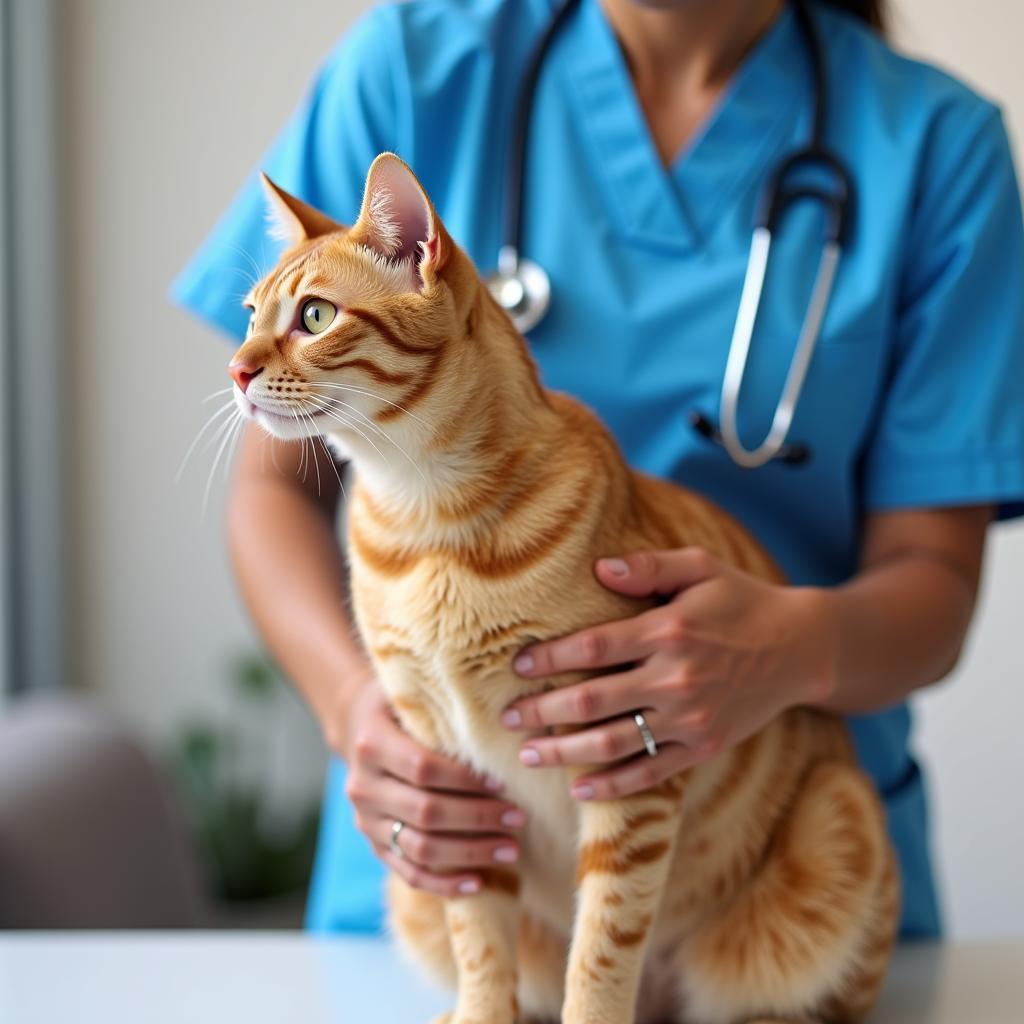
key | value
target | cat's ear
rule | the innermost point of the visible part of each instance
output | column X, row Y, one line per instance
column 292, row 220
column 399, row 221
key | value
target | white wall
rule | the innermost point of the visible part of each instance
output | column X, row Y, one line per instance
column 167, row 105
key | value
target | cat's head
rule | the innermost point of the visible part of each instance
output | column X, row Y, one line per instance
column 356, row 327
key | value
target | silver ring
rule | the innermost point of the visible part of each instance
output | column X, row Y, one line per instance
column 645, row 733
column 396, row 831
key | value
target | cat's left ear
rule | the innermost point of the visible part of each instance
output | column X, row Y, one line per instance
column 293, row 220
column 399, row 221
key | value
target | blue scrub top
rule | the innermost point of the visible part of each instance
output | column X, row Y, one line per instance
column 915, row 395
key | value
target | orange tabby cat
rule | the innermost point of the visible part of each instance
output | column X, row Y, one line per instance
column 758, row 886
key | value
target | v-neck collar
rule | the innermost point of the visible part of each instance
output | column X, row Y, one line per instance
column 677, row 206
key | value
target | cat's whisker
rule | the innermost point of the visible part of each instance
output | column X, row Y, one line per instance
column 233, row 446
column 383, row 433
column 339, row 418
column 370, row 394
column 356, row 412
column 304, row 454
column 334, row 466
column 317, row 436
column 256, row 271
column 202, row 430
column 352, row 426
column 225, row 437
column 217, row 394
column 303, row 451
column 313, row 435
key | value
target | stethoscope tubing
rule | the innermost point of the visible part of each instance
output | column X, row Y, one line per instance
column 523, row 288
column 739, row 348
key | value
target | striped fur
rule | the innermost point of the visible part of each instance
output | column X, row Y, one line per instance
column 757, row 886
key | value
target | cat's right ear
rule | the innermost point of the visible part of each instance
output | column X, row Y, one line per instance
column 292, row 220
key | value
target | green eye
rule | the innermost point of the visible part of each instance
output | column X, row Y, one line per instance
column 252, row 322
column 318, row 315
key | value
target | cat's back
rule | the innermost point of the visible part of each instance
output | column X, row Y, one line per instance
column 649, row 513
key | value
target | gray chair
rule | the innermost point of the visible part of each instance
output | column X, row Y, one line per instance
column 89, row 834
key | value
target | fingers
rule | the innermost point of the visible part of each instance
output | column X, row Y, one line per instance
column 626, row 640
column 591, row 701
column 453, row 820
column 435, row 861
column 385, row 745
column 637, row 774
column 612, row 643
column 436, row 851
column 447, row 886
column 610, row 742
column 657, row 572
column 431, row 810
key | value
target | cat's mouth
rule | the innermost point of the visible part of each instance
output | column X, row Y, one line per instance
column 259, row 413
column 273, row 418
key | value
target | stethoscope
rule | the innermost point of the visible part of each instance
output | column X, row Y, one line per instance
column 523, row 289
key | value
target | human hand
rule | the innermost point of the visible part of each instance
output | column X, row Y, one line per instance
column 454, row 820
column 722, row 657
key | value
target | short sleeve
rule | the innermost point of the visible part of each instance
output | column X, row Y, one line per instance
column 348, row 115
column 950, row 429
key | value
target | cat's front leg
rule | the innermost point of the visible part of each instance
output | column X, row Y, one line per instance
column 626, row 850
column 483, row 929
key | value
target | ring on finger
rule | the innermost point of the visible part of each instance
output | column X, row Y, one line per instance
column 645, row 733
column 393, row 844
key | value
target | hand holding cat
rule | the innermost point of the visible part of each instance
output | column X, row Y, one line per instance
column 709, row 668
column 454, row 821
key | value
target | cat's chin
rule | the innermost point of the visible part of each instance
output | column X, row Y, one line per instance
column 285, row 426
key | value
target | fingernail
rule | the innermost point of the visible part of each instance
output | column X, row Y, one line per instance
column 469, row 886
column 529, row 756
column 523, row 663
column 513, row 819
column 506, row 854
column 583, row 792
column 493, row 784
column 512, row 718
column 616, row 566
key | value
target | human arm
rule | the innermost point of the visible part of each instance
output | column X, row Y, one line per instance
column 728, row 652
column 900, row 623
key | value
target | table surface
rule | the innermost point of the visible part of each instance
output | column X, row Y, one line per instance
column 252, row 978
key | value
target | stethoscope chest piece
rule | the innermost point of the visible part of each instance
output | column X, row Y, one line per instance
column 521, row 287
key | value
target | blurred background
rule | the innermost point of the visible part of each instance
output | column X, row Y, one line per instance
column 145, row 743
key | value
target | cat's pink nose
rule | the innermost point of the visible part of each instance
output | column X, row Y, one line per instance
column 243, row 372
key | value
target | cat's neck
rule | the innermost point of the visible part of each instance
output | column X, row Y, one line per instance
column 483, row 435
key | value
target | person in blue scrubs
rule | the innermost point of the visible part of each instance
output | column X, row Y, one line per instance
column 640, row 193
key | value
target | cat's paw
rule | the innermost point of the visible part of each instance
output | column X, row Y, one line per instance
column 443, row 1018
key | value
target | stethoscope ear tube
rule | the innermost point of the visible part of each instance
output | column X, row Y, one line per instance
column 515, row 174
column 776, row 196
column 520, row 286
column 739, row 348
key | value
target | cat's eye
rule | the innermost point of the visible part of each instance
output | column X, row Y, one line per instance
column 318, row 315
column 252, row 321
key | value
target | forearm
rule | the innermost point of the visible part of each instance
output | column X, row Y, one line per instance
column 900, row 623
column 291, row 575
column 895, row 628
